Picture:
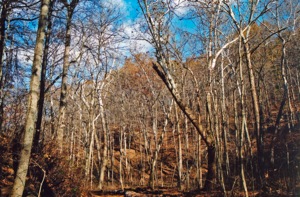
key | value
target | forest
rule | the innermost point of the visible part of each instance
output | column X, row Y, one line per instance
column 149, row 98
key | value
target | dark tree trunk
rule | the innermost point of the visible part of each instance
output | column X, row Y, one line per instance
column 211, row 168
column 5, row 5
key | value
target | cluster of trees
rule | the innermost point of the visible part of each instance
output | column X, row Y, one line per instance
column 213, row 104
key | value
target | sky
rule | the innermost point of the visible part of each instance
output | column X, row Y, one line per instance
column 132, row 14
column 132, row 8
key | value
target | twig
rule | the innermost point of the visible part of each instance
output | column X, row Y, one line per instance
column 44, row 176
column 232, row 189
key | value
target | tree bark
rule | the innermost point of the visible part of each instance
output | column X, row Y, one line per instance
column 241, row 132
column 179, row 160
column 255, row 102
column 36, row 143
column 66, row 63
column 33, row 97
column 104, row 159
column 283, row 101
column 4, row 9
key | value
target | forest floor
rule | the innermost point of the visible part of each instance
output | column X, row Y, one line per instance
column 174, row 192
column 159, row 192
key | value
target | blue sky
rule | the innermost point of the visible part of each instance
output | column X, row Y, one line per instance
column 132, row 13
column 132, row 8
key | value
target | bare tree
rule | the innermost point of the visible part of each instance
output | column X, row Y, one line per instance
column 33, row 97
column 157, row 16
column 256, row 10
column 70, row 6
column 284, row 39
column 36, row 143
column 7, row 41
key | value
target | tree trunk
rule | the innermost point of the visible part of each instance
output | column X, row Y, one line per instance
column 208, row 138
column 121, row 156
column 211, row 151
column 199, row 168
column 66, row 63
column 285, row 96
column 33, row 97
column 154, row 154
column 179, row 161
column 162, row 68
column 255, row 102
column 36, row 143
column 211, row 168
column 104, row 158
column 158, row 143
column 4, row 9
column 225, row 121
column 63, row 94
column 241, row 131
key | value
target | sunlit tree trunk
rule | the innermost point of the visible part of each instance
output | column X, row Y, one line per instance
column 154, row 153
column 122, row 130
column 241, row 132
column 104, row 159
column 255, row 102
column 225, row 123
column 66, row 63
column 187, row 148
column 36, row 143
column 33, row 97
column 199, row 168
column 179, row 157
column 158, row 143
